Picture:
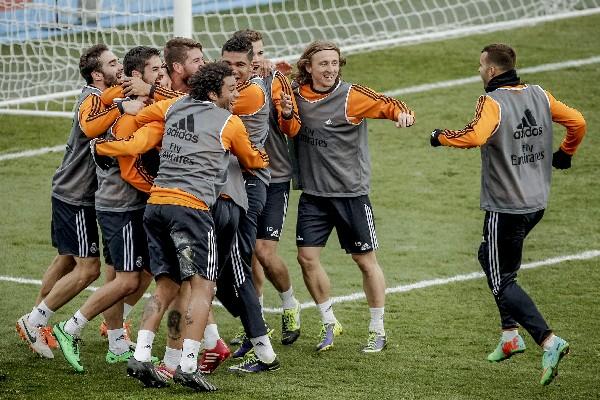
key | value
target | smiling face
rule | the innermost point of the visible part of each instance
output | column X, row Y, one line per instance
column 193, row 61
column 153, row 71
column 111, row 69
column 228, row 95
column 239, row 63
column 324, row 69
column 258, row 49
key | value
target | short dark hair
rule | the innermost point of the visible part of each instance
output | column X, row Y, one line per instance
column 251, row 34
column 501, row 55
column 209, row 78
column 90, row 61
column 136, row 59
column 239, row 44
column 176, row 50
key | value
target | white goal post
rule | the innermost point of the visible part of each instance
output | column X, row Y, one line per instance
column 41, row 40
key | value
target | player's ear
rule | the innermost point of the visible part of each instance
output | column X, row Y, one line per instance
column 97, row 76
column 136, row 74
column 213, row 96
column 178, row 67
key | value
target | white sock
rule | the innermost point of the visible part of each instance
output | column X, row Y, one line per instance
column 189, row 356
column 263, row 349
column 507, row 336
column 287, row 298
column 126, row 310
column 376, row 323
column 143, row 349
column 172, row 357
column 549, row 342
column 116, row 341
column 40, row 315
column 326, row 310
column 211, row 335
column 75, row 325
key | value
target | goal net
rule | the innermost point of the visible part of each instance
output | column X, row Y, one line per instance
column 41, row 40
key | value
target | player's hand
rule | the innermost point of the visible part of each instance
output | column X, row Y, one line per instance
column 263, row 68
column 103, row 162
column 405, row 120
column 134, row 86
column 434, row 140
column 284, row 67
column 287, row 107
column 561, row 160
column 132, row 107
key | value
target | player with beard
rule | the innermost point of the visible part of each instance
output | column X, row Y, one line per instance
column 513, row 128
column 270, row 223
column 199, row 133
column 183, row 57
column 74, row 230
column 119, row 208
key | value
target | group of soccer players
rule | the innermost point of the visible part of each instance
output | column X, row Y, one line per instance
column 186, row 166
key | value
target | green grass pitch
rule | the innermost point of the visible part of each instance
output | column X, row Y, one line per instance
column 426, row 207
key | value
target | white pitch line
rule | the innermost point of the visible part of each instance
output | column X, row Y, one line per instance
column 586, row 255
column 474, row 79
column 395, row 92
column 32, row 153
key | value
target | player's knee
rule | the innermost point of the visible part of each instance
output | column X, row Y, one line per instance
column 265, row 250
column 88, row 269
column 129, row 284
column 367, row 262
column 307, row 261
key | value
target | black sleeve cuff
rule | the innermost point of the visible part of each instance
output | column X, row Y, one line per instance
column 434, row 139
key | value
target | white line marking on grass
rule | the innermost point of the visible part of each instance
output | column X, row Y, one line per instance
column 32, row 153
column 396, row 92
column 586, row 255
column 474, row 79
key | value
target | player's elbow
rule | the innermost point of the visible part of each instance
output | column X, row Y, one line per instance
column 257, row 161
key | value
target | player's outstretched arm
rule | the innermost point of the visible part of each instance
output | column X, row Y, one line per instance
column 364, row 102
column 475, row 133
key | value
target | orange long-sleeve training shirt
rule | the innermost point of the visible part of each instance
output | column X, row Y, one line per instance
column 95, row 117
column 132, row 167
column 149, row 135
column 363, row 103
column 251, row 99
column 487, row 119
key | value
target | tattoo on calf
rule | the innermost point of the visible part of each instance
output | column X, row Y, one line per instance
column 174, row 325
column 152, row 306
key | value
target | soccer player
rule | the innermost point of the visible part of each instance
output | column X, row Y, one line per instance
column 513, row 128
column 334, row 175
column 74, row 230
column 183, row 57
column 252, row 108
column 271, row 220
column 140, row 172
column 199, row 132
column 120, row 209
